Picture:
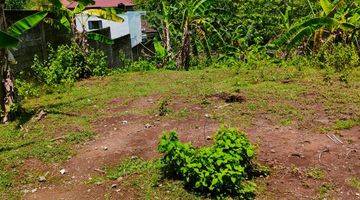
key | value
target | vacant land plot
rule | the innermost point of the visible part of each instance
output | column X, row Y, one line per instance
column 99, row 139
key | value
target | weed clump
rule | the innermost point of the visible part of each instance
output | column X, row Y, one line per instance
column 164, row 107
column 229, row 98
column 222, row 169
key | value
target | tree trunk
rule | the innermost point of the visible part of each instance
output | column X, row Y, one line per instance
column 167, row 36
column 185, row 49
column 80, row 38
column 7, row 86
column 317, row 40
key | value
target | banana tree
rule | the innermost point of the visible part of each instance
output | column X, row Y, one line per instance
column 165, row 15
column 192, row 18
column 9, row 39
column 338, row 19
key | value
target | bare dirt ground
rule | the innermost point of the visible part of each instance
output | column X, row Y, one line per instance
column 287, row 150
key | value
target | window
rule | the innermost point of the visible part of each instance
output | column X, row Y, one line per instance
column 95, row 25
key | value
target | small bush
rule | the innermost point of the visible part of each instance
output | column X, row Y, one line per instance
column 164, row 107
column 222, row 169
column 68, row 63
column 136, row 66
column 26, row 89
column 339, row 57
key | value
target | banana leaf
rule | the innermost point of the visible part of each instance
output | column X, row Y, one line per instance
column 305, row 32
column 8, row 41
column 79, row 8
column 159, row 49
column 100, row 38
column 65, row 22
column 104, row 14
column 314, row 22
column 27, row 23
column 326, row 6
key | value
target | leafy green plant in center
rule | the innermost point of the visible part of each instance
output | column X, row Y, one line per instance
column 222, row 169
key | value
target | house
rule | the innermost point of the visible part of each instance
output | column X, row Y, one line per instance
column 132, row 24
column 132, row 37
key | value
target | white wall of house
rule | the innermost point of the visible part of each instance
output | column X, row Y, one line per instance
column 134, row 21
column 131, row 25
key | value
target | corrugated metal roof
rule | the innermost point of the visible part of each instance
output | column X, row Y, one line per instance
column 101, row 3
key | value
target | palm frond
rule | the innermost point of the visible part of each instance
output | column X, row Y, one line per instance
column 327, row 6
column 7, row 40
column 104, row 14
column 27, row 23
column 100, row 38
column 314, row 22
column 305, row 32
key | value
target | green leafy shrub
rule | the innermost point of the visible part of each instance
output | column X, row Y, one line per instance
column 26, row 89
column 177, row 154
column 68, row 63
column 222, row 169
column 339, row 57
column 142, row 65
column 136, row 66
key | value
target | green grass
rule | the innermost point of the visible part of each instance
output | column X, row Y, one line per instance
column 79, row 137
column 354, row 182
column 324, row 190
column 72, row 110
column 316, row 173
column 131, row 166
column 145, row 178
column 346, row 124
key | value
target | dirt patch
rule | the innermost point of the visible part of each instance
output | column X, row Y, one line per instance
column 292, row 153
column 228, row 98
column 118, row 105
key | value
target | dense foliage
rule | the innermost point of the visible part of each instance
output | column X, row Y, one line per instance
column 190, row 30
column 223, row 26
column 223, row 168
column 336, row 22
column 16, row 4
column 262, row 20
column 68, row 63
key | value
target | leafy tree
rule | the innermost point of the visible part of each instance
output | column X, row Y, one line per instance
column 193, row 21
